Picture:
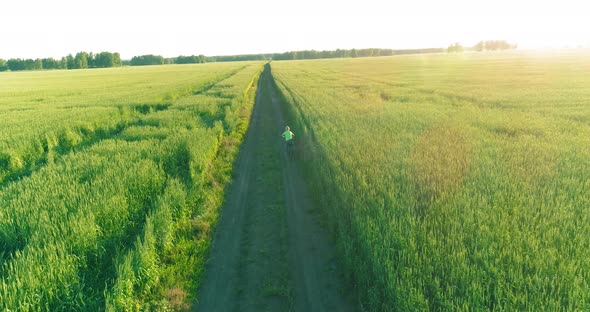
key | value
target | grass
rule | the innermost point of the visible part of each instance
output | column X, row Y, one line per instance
column 452, row 182
column 110, row 182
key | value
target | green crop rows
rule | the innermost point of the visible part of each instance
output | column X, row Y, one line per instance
column 453, row 182
column 110, row 181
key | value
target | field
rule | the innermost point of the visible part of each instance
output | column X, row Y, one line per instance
column 110, row 181
column 451, row 182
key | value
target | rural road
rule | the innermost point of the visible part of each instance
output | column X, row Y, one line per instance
column 269, row 253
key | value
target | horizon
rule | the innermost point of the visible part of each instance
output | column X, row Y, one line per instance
column 548, row 49
column 179, row 27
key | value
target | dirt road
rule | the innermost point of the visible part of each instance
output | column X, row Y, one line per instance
column 269, row 252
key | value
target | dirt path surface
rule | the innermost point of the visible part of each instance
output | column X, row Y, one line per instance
column 269, row 253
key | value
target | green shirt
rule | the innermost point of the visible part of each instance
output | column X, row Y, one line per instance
column 288, row 135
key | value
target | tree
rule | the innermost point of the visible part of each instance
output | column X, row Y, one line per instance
column 16, row 64
column 107, row 59
column 148, row 59
column 479, row 46
column 81, row 60
column 117, row 59
column 193, row 59
column 3, row 66
column 310, row 54
column 29, row 64
column 493, row 45
column 101, row 60
column 63, row 63
column 50, row 63
column 38, row 64
column 104, row 59
column 91, row 60
column 71, row 62
column 455, row 47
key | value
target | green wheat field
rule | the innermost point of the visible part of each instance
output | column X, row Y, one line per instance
column 110, row 180
column 450, row 182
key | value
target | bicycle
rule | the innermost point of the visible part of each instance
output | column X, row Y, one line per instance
column 290, row 146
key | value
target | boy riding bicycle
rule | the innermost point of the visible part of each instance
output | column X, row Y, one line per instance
column 288, row 135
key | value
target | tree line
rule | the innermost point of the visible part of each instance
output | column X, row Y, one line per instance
column 84, row 60
column 490, row 45
column 150, row 59
column 291, row 55
column 107, row 59
column 342, row 53
column 315, row 54
column 80, row 61
column 493, row 45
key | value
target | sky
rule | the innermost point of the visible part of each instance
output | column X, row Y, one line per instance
column 54, row 28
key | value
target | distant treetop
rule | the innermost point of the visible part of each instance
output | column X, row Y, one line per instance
column 107, row 59
column 80, row 61
column 455, row 47
column 148, row 59
column 493, row 45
